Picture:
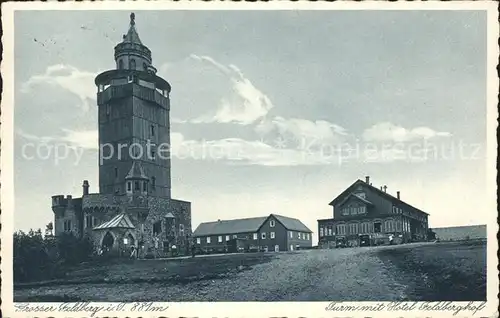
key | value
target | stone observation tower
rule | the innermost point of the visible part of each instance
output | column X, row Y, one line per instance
column 134, row 207
column 134, row 119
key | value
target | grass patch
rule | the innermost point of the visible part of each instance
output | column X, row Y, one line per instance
column 442, row 271
column 176, row 271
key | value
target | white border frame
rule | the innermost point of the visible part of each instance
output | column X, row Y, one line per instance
column 240, row 309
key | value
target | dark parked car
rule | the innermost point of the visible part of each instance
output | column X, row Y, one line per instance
column 340, row 242
column 364, row 240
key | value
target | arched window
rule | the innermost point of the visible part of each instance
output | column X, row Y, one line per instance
column 132, row 64
column 120, row 64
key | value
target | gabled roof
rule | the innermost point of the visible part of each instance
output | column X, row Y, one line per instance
column 230, row 226
column 132, row 36
column 136, row 172
column 247, row 225
column 375, row 189
column 292, row 224
column 121, row 221
column 357, row 197
column 169, row 216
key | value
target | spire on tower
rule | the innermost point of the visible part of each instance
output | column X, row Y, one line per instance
column 136, row 172
column 132, row 18
column 132, row 35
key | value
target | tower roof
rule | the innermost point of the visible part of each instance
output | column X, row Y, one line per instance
column 136, row 172
column 120, row 221
column 132, row 36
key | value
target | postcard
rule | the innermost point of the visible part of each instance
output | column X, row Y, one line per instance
column 274, row 159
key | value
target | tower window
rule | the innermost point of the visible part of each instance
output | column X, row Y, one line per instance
column 157, row 228
column 67, row 226
column 129, row 186
column 145, row 66
column 132, row 64
column 90, row 218
column 153, row 182
column 120, row 64
column 137, row 186
column 152, row 130
column 145, row 186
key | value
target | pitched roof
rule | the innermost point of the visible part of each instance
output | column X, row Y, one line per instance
column 120, row 221
column 230, row 226
column 377, row 190
column 136, row 172
column 132, row 36
column 292, row 224
column 358, row 198
column 169, row 216
column 247, row 225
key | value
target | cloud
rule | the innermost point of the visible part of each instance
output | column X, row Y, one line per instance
column 247, row 152
column 244, row 105
column 70, row 78
column 387, row 131
column 174, row 120
column 299, row 131
column 86, row 139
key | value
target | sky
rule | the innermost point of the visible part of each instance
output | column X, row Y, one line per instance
column 265, row 107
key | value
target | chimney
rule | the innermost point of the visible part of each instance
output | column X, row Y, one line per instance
column 367, row 179
column 398, row 194
column 385, row 188
column 85, row 187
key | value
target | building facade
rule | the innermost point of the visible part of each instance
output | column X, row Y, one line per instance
column 366, row 215
column 269, row 233
column 133, row 207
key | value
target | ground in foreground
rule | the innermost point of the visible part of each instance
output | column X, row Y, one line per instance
column 424, row 271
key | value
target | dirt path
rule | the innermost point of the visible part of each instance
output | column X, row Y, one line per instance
column 346, row 274
column 416, row 272
column 340, row 274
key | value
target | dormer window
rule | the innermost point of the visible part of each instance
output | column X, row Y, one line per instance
column 361, row 195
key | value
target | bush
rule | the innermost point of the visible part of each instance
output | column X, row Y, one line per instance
column 41, row 258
